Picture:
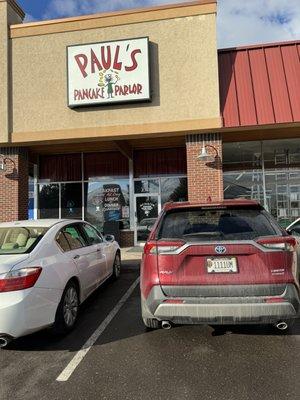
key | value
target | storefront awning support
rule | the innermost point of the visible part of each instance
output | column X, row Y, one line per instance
column 124, row 147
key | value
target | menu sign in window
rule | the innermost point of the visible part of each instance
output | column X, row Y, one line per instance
column 109, row 72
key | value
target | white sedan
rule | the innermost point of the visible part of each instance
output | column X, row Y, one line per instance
column 47, row 269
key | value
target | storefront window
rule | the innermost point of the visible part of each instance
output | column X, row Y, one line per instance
column 146, row 186
column 283, row 195
column 71, row 200
column 150, row 196
column 31, row 191
column 266, row 171
column 49, row 201
column 147, row 208
column 282, row 153
column 107, row 201
column 173, row 189
column 245, row 184
column 242, row 155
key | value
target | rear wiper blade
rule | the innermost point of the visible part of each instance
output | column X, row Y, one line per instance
column 204, row 234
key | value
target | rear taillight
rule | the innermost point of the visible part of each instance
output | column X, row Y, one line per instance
column 271, row 300
column 19, row 279
column 162, row 247
column 278, row 243
column 174, row 301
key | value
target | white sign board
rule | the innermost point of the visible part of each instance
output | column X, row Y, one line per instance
column 110, row 72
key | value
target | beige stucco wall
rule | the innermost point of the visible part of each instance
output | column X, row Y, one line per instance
column 184, row 75
column 3, row 74
column 7, row 16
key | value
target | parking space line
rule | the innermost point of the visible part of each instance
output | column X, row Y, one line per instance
column 79, row 356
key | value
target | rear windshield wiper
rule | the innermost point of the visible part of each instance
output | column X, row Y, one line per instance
column 204, row 234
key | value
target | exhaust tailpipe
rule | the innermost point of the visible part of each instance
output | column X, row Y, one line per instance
column 4, row 341
column 166, row 325
column 282, row 325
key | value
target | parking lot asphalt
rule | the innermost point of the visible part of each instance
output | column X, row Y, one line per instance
column 129, row 362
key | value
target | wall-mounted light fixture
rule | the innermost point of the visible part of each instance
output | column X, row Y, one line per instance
column 4, row 161
column 205, row 156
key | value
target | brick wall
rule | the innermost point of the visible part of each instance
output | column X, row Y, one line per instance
column 14, row 185
column 205, row 180
column 127, row 239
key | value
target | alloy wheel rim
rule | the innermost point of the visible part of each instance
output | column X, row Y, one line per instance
column 70, row 306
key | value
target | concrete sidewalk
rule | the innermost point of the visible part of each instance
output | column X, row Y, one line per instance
column 131, row 253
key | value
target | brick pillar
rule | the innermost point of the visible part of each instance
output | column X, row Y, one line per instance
column 14, row 185
column 205, row 179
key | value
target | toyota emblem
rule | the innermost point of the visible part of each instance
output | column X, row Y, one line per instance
column 220, row 249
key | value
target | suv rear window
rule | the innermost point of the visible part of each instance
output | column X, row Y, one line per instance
column 222, row 224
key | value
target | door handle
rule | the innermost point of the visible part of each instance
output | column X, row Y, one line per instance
column 76, row 257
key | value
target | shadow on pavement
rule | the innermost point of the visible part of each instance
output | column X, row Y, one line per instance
column 45, row 341
column 92, row 313
column 219, row 330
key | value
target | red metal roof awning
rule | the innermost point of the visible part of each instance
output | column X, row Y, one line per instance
column 260, row 85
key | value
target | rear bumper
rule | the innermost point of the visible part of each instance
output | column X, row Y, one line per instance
column 223, row 309
column 26, row 311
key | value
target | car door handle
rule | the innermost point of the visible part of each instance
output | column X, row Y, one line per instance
column 76, row 257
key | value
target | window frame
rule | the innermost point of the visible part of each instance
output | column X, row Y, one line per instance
column 82, row 225
column 74, row 224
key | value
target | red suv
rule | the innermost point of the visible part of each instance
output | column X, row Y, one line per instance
column 225, row 263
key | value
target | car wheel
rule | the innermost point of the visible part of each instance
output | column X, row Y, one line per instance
column 151, row 323
column 117, row 267
column 67, row 311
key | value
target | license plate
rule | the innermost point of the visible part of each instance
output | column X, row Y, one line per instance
column 222, row 265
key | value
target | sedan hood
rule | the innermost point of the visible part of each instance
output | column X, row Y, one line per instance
column 8, row 261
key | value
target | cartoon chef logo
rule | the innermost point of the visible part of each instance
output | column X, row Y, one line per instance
column 107, row 79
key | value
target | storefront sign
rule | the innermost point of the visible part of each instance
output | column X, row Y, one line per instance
column 147, row 208
column 113, row 201
column 111, row 72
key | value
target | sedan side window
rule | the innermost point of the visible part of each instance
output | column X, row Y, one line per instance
column 62, row 242
column 92, row 235
column 74, row 237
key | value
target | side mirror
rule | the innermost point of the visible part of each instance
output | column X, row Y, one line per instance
column 109, row 238
column 289, row 231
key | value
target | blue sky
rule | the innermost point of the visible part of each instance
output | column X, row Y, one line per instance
column 239, row 22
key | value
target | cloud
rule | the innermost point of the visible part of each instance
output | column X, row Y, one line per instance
column 59, row 8
column 239, row 22
column 257, row 21
column 29, row 18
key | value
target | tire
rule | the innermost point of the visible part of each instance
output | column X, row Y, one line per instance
column 116, row 267
column 67, row 311
column 151, row 323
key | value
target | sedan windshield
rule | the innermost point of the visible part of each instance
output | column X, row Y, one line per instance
column 20, row 240
column 219, row 224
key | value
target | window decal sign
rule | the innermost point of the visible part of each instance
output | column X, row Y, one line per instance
column 110, row 72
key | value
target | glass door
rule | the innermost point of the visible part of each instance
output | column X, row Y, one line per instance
column 147, row 208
